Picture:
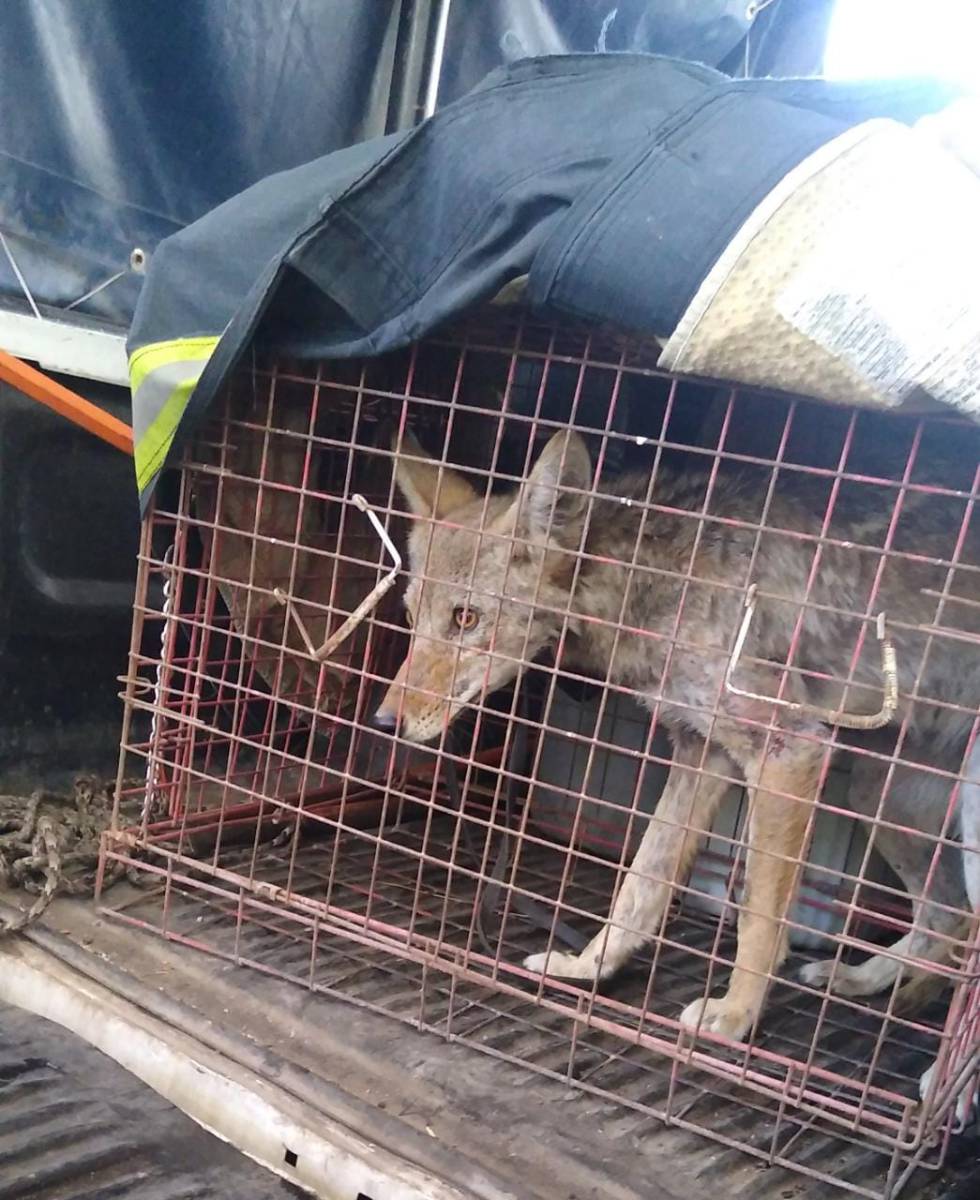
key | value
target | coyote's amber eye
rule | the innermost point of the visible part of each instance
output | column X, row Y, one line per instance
column 465, row 618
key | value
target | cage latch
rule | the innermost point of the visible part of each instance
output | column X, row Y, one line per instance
column 367, row 605
column 845, row 720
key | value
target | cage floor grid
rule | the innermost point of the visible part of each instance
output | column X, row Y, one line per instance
column 200, row 909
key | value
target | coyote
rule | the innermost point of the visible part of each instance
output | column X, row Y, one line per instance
column 645, row 587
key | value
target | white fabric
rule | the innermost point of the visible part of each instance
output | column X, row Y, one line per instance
column 957, row 129
column 857, row 279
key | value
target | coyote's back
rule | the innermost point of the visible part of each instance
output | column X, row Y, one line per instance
column 645, row 586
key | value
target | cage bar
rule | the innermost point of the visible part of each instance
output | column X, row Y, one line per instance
column 303, row 817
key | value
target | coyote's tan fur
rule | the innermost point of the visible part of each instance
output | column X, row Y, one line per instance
column 495, row 580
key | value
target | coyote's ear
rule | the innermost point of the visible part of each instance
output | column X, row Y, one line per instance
column 430, row 489
column 543, row 509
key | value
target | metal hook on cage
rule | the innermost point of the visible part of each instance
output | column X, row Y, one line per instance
column 368, row 604
column 889, row 671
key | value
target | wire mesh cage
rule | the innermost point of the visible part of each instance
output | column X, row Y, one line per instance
column 617, row 724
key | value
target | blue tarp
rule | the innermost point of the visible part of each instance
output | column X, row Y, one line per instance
column 611, row 183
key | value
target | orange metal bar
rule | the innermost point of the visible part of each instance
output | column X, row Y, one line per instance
column 69, row 404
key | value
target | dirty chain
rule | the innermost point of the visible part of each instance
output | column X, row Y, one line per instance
column 49, row 844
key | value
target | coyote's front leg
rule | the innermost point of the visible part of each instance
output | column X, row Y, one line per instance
column 778, row 828
column 685, row 811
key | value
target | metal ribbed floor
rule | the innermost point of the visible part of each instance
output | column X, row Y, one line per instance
column 75, row 1125
column 613, row 1123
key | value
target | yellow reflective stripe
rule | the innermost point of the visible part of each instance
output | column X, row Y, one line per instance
column 152, row 447
column 163, row 374
column 158, row 354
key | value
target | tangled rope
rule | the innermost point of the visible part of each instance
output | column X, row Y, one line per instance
column 49, row 844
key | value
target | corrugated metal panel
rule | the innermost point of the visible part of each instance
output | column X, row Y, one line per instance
column 75, row 1125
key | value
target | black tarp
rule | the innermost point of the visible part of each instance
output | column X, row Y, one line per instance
column 484, row 35
column 612, row 182
column 123, row 120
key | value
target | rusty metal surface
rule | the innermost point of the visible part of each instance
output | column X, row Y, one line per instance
column 75, row 1126
column 599, row 1105
column 688, row 498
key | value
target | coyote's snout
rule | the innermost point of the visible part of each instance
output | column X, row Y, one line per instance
column 489, row 581
column 645, row 587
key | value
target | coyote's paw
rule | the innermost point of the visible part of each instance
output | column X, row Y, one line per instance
column 560, row 965
column 967, row 1102
column 718, row 1016
column 846, row 980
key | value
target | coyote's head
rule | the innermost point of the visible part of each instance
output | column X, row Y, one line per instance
column 489, row 581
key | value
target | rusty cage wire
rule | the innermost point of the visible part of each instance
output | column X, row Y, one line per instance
column 731, row 552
